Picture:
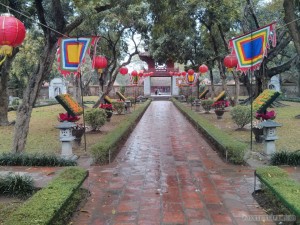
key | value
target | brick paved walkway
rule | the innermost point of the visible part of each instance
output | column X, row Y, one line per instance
column 166, row 173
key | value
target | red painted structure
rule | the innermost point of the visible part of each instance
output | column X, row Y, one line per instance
column 157, row 69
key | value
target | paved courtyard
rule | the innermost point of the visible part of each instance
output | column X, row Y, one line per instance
column 166, row 173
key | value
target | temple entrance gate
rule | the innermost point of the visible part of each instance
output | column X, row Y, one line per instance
column 161, row 79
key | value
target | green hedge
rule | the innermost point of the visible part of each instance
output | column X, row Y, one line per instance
column 108, row 146
column 295, row 99
column 47, row 204
column 233, row 150
column 286, row 189
column 37, row 159
column 286, row 158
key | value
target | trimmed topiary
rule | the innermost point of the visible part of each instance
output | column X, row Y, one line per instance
column 119, row 106
column 241, row 115
column 96, row 118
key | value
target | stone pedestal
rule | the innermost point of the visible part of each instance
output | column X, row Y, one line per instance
column 66, row 138
column 128, row 106
column 269, row 129
column 197, row 105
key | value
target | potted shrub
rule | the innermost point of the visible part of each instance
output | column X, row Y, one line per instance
column 241, row 115
column 119, row 106
column 95, row 118
column 219, row 107
column 207, row 105
column 108, row 109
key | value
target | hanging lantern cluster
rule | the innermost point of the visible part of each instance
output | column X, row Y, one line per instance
column 173, row 73
column 230, row 61
column 100, row 63
column 12, row 34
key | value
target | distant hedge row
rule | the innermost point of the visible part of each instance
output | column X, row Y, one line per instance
column 107, row 148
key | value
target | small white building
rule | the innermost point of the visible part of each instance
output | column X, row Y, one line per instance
column 57, row 86
column 274, row 83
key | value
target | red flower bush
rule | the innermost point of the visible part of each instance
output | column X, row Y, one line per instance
column 66, row 117
column 266, row 116
column 220, row 104
column 106, row 106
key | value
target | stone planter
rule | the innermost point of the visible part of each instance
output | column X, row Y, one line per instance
column 109, row 114
column 259, row 134
column 78, row 133
column 206, row 108
column 219, row 113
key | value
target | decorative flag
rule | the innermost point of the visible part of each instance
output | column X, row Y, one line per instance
column 71, row 53
column 251, row 48
column 191, row 79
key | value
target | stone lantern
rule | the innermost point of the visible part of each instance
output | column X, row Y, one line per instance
column 127, row 105
column 66, row 138
column 269, row 129
column 197, row 104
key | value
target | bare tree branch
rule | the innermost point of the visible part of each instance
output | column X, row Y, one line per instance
column 41, row 15
column 283, row 67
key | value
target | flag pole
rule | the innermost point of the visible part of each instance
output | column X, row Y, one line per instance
column 251, row 93
column 81, row 90
column 251, row 111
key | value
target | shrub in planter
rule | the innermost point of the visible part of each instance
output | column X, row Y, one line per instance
column 96, row 118
column 207, row 104
column 119, row 106
column 241, row 115
column 190, row 99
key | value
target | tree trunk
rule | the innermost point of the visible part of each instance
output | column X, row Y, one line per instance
column 237, row 89
column 30, row 95
column 212, row 83
column 290, row 19
column 4, row 74
column 108, row 88
column 77, row 90
column 246, row 82
column 4, row 95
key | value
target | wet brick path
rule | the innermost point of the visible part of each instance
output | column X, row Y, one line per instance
column 166, row 173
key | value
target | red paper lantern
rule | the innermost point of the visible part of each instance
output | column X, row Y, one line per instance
column 230, row 61
column 134, row 73
column 203, row 68
column 100, row 63
column 12, row 33
column 183, row 73
column 141, row 73
column 191, row 72
column 123, row 70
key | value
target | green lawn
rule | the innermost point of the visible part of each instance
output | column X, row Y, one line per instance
column 288, row 134
column 43, row 136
